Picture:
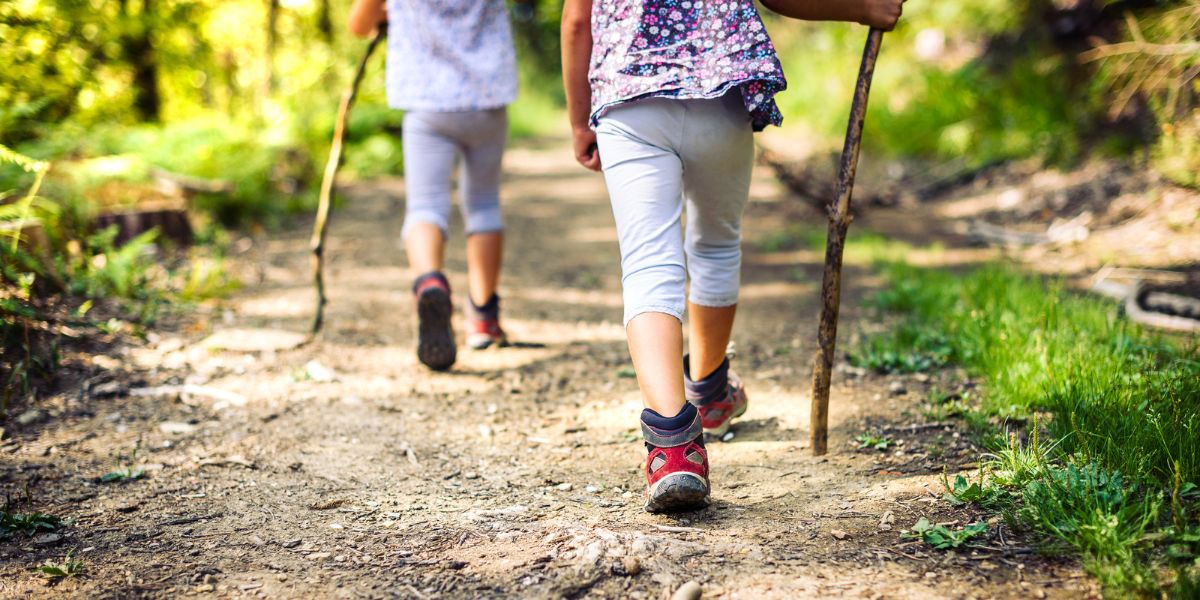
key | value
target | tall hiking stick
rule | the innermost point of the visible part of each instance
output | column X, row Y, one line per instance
column 835, row 243
column 325, row 204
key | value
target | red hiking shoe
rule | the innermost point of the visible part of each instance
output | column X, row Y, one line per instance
column 677, row 463
column 719, row 404
column 435, row 338
column 483, row 325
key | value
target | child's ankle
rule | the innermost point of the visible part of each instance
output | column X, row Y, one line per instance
column 489, row 309
column 668, row 432
column 430, row 278
column 709, row 387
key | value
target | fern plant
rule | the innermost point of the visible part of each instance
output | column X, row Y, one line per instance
column 20, row 211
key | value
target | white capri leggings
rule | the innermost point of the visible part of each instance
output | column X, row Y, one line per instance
column 658, row 154
column 432, row 142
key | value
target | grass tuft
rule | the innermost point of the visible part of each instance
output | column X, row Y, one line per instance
column 69, row 567
column 1119, row 484
column 28, row 524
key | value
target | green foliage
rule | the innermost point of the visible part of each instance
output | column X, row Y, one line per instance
column 122, row 475
column 1017, row 464
column 128, row 472
column 28, row 524
column 1099, row 514
column 1154, row 66
column 60, row 273
column 69, row 567
column 870, row 440
column 793, row 237
column 1186, row 585
column 964, row 491
column 19, row 213
column 204, row 277
column 1143, row 418
column 113, row 270
column 942, row 537
column 983, row 81
column 949, row 99
column 987, row 114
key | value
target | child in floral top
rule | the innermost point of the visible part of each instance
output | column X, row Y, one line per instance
column 664, row 95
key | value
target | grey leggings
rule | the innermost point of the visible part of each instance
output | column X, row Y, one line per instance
column 432, row 142
column 660, row 154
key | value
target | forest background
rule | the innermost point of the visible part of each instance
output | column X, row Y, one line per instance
column 207, row 120
column 107, row 106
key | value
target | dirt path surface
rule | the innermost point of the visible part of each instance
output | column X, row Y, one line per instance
column 344, row 469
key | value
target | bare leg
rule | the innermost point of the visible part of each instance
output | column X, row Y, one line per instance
column 655, row 343
column 426, row 247
column 485, row 254
column 709, row 328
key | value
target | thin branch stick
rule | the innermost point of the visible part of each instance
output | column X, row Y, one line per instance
column 324, row 205
column 1123, row 48
column 835, row 242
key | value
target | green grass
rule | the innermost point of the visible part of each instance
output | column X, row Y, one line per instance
column 942, row 405
column 1117, row 394
column 1118, row 486
column 909, row 349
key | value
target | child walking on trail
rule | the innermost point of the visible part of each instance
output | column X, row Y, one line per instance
column 663, row 96
column 451, row 67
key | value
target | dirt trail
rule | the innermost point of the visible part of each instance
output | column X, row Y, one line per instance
column 345, row 469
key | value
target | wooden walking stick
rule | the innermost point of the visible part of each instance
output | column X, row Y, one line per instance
column 835, row 242
column 325, row 203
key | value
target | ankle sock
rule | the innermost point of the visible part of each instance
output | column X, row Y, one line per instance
column 489, row 310
column 434, row 275
column 673, row 431
column 708, row 389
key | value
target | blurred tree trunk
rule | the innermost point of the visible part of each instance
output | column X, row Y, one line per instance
column 139, row 50
column 272, row 42
column 229, row 69
column 324, row 22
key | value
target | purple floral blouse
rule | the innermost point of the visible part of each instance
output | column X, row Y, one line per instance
column 683, row 49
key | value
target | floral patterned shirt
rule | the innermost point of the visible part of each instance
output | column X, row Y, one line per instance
column 449, row 55
column 683, row 49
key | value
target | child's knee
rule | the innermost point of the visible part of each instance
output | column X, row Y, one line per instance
column 431, row 217
column 657, row 288
column 726, row 251
column 483, row 217
column 716, row 273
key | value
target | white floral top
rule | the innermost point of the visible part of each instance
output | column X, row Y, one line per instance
column 683, row 49
column 449, row 55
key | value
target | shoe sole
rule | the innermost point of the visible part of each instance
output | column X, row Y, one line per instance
column 483, row 342
column 677, row 492
column 435, row 338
